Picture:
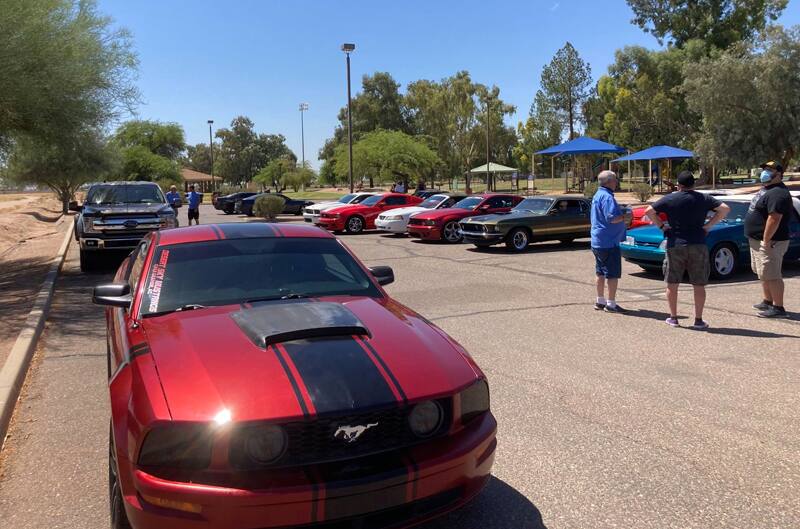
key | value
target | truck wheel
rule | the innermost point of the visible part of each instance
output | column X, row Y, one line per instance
column 88, row 261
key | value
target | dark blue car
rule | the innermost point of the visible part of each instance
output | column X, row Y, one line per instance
column 727, row 245
column 291, row 206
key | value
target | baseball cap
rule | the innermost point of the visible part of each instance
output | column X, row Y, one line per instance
column 686, row 179
column 775, row 166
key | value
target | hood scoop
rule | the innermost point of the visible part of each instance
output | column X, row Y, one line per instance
column 273, row 322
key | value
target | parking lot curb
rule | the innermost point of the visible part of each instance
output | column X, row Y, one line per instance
column 12, row 375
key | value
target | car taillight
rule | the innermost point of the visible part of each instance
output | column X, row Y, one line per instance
column 177, row 446
column 474, row 400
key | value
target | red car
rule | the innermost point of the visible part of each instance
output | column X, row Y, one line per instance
column 261, row 377
column 640, row 219
column 355, row 218
column 442, row 224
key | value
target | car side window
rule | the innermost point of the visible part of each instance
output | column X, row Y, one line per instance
column 137, row 264
column 395, row 201
column 573, row 207
column 500, row 202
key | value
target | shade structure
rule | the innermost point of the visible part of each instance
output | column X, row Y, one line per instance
column 581, row 145
column 493, row 168
column 659, row 152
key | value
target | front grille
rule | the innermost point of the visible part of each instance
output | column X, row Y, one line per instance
column 478, row 228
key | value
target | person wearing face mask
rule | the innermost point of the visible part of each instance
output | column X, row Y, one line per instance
column 767, row 228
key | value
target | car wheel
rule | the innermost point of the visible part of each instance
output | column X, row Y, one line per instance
column 88, row 261
column 450, row 233
column 354, row 224
column 723, row 261
column 119, row 519
column 518, row 239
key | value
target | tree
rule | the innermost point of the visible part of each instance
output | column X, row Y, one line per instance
column 565, row 85
column 151, row 151
column 541, row 130
column 65, row 70
column 719, row 23
column 298, row 178
column 243, row 152
column 63, row 166
column 198, row 157
column 273, row 175
column 749, row 97
column 389, row 156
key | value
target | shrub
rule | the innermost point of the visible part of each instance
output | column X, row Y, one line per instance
column 589, row 189
column 642, row 191
column 268, row 206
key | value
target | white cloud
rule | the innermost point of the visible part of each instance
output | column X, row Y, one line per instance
column 555, row 6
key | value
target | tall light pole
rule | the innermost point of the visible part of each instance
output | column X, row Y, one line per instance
column 488, row 177
column 211, row 153
column 347, row 49
column 303, row 108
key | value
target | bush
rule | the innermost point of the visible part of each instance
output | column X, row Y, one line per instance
column 590, row 189
column 642, row 191
column 268, row 206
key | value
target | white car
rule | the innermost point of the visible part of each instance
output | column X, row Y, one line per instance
column 312, row 212
column 396, row 220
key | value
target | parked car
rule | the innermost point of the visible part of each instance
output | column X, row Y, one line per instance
column 640, row 219
column 291, row 206
column 311, row 213
column 727, row 243
column 396, row 221
column 227, row 203
column 259, row 379
column 560, row 218
column 426, row 193
column 442, row 224
column 355, row 218
column 116, row 215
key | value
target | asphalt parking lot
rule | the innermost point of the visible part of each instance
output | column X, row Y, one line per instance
column 604, row 420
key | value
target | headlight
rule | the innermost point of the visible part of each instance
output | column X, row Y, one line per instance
column 393, row 217
column 663, row 245
column 429, row 222
column 179, row 446
column 257, row 446
column 88, row 224
column 425, row 418
column 169, row 221
column 474, row 401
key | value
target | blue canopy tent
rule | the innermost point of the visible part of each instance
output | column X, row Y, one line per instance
column 580, row 145
column 659, row 152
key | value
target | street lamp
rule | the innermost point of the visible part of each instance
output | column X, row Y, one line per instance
column 347, row 49
column 211, row 153
column 488, row 176
column 303, row 108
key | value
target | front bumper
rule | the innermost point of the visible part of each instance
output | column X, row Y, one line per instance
column 642, row 255
column 476, row 237
column 428, row 233
column 331, row 224
column 308, row 217
column 116, row 243
column 392, row 226
column 432, row 479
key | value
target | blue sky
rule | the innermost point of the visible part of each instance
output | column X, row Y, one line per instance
column 206, row 59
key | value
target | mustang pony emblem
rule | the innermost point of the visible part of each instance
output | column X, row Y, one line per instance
column 350, row 434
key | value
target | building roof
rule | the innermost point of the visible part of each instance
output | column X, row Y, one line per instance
column 190, row 175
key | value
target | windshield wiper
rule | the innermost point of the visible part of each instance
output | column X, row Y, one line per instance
column 290, row 295
column 188, row 306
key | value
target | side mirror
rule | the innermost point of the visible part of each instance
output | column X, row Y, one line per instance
column 113, row 295
column 384, row 274
column 73, row 206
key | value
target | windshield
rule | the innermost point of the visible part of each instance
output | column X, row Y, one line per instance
column 346, row 199
column 535, row 205
column 249, row 269
column 738, row 211
column 468, row 203
column 124, row 194
column 372, row 200
column 432, row 202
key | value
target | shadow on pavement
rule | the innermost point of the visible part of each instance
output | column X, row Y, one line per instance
column 499, row 506
column 726, row 331
column 536, row 247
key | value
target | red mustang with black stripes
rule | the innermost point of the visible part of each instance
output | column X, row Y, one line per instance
column 261, row 377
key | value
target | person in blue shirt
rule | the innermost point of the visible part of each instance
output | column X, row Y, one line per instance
column 194, row 199
column 608, row 229
column 174, row 198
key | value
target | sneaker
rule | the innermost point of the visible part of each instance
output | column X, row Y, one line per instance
column 773, row 312
column 599, row 306
column 764, row 305
column 699, row 325
column 616, row 309
column 672, row 322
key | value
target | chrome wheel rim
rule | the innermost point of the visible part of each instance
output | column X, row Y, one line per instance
column 451, row 232
column 520, row 240
column 724, row 261
column 354, row 224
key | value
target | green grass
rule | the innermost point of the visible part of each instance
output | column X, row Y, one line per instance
column 314, row 195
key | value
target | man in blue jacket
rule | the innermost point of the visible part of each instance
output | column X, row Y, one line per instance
column 194, row 199
column 608, row 229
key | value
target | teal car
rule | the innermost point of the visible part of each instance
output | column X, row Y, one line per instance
column 727, row 245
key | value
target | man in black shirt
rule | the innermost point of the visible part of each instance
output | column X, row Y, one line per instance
column 767, row 228
column 685, row 230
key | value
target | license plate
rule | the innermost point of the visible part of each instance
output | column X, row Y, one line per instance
column 630, row 241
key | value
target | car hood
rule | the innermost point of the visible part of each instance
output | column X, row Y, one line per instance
column 348, row 208
column 405, row 212
column 434, row 214
column 654, row 234
column 494, row 217
column 326, row 205
column 118, row 209
column 208, row 361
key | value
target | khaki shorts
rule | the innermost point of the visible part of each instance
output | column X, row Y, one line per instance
column 766, row 262
column 692, row 259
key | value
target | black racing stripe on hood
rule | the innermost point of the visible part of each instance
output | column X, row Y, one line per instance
column 295, row 386
column 247, row 230
column 339, row 375
column 387, row 370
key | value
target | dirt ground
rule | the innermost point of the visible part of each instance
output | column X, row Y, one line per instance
column 31, row 230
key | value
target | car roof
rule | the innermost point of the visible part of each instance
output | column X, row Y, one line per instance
column 238, row 230
column 125, row 183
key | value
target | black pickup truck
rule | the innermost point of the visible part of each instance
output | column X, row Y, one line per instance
column 116, row 215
